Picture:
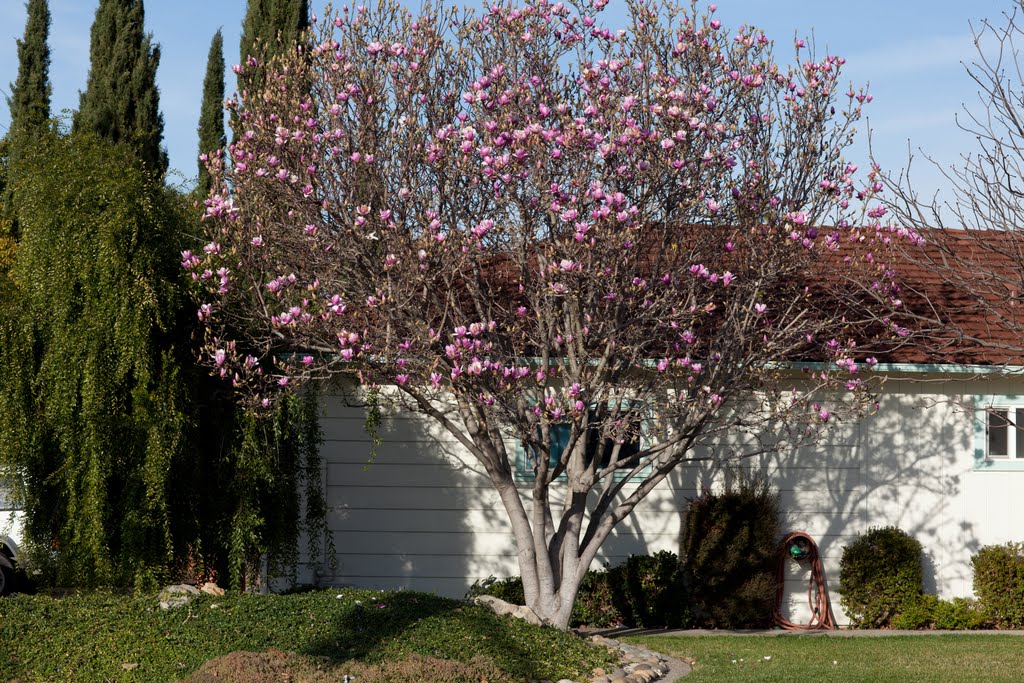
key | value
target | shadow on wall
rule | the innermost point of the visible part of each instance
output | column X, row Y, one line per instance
column 903, row 466
column 421, row 515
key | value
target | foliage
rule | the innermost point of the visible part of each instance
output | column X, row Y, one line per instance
column 649, row 592
column 88, row 637
column 550, row 226
column 928, row 611
column 212, row 138
column 30, row 93
column 999, row 583
column 29, row 105
column 93, row 381
column 269, row 26
column 879, row 576
column 729, row 545
column 120, row 486
column 509, row 589
column 121, row 102
column 596, row 604
column 644, row 591
column 913, row 659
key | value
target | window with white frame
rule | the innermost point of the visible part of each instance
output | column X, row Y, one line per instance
column 1004, row 432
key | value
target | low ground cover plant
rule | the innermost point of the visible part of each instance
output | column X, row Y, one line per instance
column 101, row 636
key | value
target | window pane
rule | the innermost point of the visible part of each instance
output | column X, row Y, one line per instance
column 1018, row 421
column 998, row 432
column 559, row 440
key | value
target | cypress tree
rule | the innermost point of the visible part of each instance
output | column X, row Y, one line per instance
column 211, row 114
column 266, row 21
column 30, row 93
column 121, row 102
column 29, row 104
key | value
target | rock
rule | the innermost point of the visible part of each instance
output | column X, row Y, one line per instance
column 177, row 595
column 210, row 588
column 501, row 608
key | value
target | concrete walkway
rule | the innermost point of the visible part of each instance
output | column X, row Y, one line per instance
column 841, row 633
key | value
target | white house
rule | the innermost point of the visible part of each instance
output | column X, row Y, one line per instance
column 939, row 459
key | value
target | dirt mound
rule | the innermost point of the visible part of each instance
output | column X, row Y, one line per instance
column 274, row 666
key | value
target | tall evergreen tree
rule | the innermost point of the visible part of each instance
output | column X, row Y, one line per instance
column 30, row 93
column 121, row 102
column 266, row 21
column 30, row 108
column 211, row 114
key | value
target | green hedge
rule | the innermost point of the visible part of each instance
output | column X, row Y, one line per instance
column 929, row 611
column 645, row 591
column 880, row 577
column 729, row 547
column 999, row 583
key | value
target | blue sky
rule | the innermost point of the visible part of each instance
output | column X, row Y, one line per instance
column 910, row 51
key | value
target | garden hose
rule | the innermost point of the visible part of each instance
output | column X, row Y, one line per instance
column 801, row 547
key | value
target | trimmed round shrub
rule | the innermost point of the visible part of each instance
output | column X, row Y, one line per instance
column 999, row 584
column 729, row 545
column 880, row 577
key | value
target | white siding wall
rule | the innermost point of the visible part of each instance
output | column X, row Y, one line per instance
column 423, row 515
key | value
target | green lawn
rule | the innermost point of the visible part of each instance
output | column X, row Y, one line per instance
column 800, row 659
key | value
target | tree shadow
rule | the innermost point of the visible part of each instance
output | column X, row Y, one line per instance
column 419, row 515
column 905, row 466
column 432, row 626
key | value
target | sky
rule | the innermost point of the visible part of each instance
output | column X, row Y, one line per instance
column 911, row 53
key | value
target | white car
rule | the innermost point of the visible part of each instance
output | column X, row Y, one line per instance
column 8, row 551
column 10, row 531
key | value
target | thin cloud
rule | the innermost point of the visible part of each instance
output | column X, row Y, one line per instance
column 927, row 53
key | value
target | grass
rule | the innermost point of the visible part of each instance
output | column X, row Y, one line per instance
column 802, row 659
column 101, row 637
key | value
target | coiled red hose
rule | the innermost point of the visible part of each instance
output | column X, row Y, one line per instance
column 817, row 591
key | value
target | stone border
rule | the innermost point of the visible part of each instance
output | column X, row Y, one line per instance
column 637, row 665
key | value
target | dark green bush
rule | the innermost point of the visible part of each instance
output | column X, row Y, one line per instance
column 595, row 602
column 999, row 583
column 649, row 592
column 729, row 547
column 880, row 577
column 510, row 589
column 644, row 591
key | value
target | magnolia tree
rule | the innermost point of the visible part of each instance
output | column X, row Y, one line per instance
column 599, row 245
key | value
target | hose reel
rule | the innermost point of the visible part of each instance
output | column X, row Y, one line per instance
column 800, row 547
